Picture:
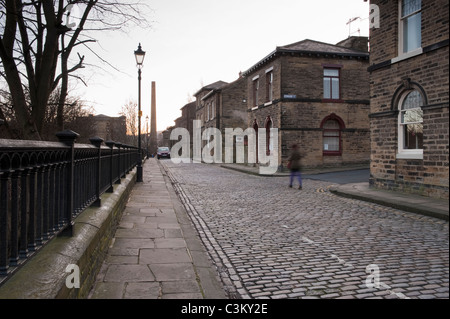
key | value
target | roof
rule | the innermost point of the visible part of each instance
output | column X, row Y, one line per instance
column 311, row 47
column 318, row 47
column 189, row 105
column 106, row 117
column 211, row 87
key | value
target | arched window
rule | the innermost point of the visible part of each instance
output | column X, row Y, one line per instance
column 410, row 124
column 269, row 135
column 256, row 128
column 332, row 127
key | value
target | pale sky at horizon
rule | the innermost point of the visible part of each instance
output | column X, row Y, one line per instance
column 198, row 42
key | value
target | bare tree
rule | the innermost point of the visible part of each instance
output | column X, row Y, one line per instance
column 37, row 39
column 76, row 116
column 129, row 110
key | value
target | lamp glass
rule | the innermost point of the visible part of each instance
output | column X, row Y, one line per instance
column 140, row 55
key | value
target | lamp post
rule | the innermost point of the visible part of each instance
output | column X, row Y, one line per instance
column 140, row 55
column 147, row 136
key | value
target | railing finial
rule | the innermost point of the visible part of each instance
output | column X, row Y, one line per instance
column 67, row 137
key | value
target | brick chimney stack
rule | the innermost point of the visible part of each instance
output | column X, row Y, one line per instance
column 356, row 43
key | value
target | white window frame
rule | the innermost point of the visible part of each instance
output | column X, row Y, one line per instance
column 269, row 84
column 255, row 90
column 401, row 54
column 338, row 77
column 402, row 152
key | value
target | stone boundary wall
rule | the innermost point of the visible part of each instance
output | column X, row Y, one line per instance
column 44, row 276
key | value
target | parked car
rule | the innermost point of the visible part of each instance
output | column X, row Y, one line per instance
column 163, row 152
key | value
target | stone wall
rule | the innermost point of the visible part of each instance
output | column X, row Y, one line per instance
column 298, row 108
column 391, row 76
column 232, row 111
column 44, row 276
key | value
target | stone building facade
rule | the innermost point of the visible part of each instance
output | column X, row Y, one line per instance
column 165, row 140
column 317, row 96
column 226, row 108
column 188, row 115
column 206, row 108
column 409, row 71
column 109, row 128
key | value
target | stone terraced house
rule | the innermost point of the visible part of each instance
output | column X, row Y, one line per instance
column 317, row 95
column 409, row 116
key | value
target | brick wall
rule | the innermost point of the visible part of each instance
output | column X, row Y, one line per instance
column 427, row 72
column 232, row 106
column 298, row 108
column 303, row 76
column 277, row 85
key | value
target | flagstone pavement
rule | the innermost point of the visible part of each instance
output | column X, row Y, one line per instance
column 156, row 252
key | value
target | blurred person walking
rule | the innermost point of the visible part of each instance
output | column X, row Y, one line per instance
column 295, row 167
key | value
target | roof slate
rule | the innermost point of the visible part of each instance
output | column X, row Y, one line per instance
column 310, row 47
column 316, row 46
column 211, row 87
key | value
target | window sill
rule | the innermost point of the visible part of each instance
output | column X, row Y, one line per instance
column 418, row 155
column 329, row 153
column 407, row 55
column 332, row 101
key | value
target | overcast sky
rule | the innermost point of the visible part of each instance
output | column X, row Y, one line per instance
column 198, row 42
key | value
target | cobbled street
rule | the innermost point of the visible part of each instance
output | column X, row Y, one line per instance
column 270, row 241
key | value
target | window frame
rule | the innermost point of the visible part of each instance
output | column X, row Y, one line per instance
column 402, row 152
column 401, row 30
column 269, row 85
column 334, row 68
column 255, row 88
column 256, row 128
column 213, row 110
column 332, row 117
column 269, row 135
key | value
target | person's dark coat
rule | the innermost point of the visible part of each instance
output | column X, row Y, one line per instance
column 294, row 160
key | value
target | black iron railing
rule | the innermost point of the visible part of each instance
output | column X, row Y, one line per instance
column 44, row 186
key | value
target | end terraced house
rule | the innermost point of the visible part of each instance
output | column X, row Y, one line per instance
column 317, row 95
column 409, row 70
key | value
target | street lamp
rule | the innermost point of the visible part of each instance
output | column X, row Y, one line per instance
column 140, row 56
